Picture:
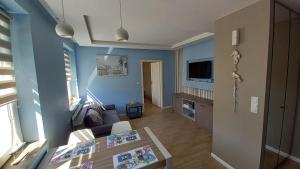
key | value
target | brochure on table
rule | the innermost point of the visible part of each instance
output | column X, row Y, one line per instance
column 85, row 165
column 67, row 152
column 134, row 159
column 122, row 138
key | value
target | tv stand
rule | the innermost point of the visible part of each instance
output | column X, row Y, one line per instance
column 197, row 109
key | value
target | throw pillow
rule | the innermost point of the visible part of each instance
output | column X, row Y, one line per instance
column 96, row 107
column 92, row 119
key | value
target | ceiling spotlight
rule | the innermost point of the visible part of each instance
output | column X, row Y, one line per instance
column 63, row 29
column 121, row 34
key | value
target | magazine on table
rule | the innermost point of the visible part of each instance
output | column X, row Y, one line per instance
column 84, row 148
column 134, row 159
column 122, row 138
column 67, row 152
column 63, row 153
column 85, row 165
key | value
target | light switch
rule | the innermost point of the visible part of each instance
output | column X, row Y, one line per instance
column 254, row 104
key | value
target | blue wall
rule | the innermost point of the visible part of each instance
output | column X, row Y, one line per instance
column 23, row 59
column 122, row 89
column 201, row 50
column 49, row 62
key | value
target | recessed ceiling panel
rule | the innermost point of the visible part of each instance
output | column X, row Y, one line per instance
column 163, row 22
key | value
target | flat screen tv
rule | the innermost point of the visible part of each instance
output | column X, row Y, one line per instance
column 200, row 70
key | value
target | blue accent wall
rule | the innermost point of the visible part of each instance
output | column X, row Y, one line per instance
column 49, row 61
column 120, row 90
column 201, row 50
column 23, row 59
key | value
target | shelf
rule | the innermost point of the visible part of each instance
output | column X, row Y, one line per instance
column 198, row 110
column 188, row 112
column 193, row 98
column 188, row 108
column 191, row 118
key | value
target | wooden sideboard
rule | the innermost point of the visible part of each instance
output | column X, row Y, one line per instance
column 202, row 108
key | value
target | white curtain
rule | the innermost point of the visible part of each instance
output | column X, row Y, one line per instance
column 179, row 64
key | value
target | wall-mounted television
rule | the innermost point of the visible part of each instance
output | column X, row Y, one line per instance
column 200, row 70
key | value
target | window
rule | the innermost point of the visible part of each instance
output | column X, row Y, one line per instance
column 10, row 131
column 68, row 75
column 71, row 83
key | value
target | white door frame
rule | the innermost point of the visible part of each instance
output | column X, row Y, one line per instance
column 161, row 80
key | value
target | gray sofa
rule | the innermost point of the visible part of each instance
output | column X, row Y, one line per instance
column 82, row 118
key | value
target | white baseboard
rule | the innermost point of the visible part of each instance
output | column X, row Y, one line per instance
column 224, row 163
column 276, row 151
column 293, row 158
column 284, row 154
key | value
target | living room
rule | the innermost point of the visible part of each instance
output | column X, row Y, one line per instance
column 221, row 88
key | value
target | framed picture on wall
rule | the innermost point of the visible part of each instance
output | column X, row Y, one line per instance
column 110, row 65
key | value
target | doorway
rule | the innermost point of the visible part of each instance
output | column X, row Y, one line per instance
column 152, row 84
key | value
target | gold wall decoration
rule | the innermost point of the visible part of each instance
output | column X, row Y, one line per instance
column 236, row 56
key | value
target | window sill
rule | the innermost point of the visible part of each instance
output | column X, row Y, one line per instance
column 74, row 104
column 31, row 160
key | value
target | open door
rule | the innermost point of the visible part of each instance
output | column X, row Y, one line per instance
column 156, row 83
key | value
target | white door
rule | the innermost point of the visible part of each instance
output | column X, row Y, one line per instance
column 156, row 83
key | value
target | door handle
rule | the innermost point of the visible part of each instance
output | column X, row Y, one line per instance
column 283, row 107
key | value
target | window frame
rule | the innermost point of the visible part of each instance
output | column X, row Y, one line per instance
column 8, row 98
column 73, row 99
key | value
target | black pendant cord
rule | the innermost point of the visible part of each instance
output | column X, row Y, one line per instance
column 63, row 10
column 121, row 19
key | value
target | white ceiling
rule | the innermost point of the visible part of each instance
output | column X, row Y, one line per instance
column 162, row 23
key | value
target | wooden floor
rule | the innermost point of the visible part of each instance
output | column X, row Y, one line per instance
column 289, row 164
column 271, row 161
column 189, row 144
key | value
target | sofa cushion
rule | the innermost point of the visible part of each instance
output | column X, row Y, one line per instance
column 93, row 119
column 101, row 131
column 110, row 116
column 109, row 107
column 78, row 121
column 87, row 103
column 96, row 107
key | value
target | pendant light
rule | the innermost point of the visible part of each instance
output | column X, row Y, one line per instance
column 121, row 34
column 63, row 29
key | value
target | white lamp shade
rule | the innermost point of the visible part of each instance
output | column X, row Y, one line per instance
column 122, row 35
column 64, row 30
